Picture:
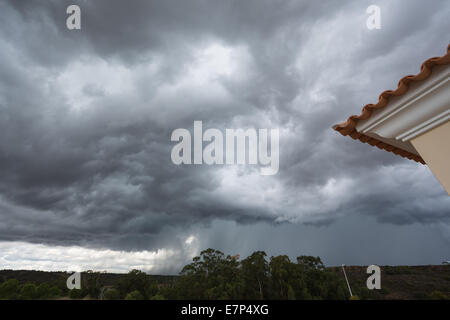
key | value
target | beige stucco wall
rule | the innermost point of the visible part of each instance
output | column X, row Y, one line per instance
column 434, row 148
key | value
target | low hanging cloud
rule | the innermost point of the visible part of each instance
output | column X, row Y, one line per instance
column 27, row 256
column 86, row 118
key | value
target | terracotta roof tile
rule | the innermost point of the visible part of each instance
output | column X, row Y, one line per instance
column 348, row 127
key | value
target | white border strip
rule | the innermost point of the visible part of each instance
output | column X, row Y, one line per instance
column 410, row 101
column 425, row 126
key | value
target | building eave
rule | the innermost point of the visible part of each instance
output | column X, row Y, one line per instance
column 400, row 114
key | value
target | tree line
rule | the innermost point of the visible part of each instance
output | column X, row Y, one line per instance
column 211, row 275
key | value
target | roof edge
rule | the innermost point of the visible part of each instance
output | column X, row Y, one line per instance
column 385, row 146
column 347, row 127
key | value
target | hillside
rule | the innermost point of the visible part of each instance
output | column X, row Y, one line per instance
column 399, row 282
column 58, row 277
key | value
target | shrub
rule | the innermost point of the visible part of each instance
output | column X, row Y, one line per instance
column 43, row 291
column 112, row 294
column 438, row 295
column 54, row 292
column 9, row 289
column 76, row 294
column 137, row 280
column 28, row 292
column 134, row 295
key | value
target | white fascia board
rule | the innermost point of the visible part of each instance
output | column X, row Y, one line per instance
column 425, row 126
column 424, row 106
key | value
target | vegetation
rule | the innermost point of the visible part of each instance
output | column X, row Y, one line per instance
column 134, row 295
column 213, row 275
column 401, row 282
column 12, row 290
column 112, row 294
column 137, row 285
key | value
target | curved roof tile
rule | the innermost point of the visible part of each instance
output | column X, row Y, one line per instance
column 348, row 127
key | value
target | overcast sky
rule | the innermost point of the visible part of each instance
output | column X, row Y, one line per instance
column 86, row 117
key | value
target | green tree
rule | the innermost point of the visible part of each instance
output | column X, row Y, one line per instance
column 320, row 283
column 290, row 293
column 280, row 267
column 28, row 292
column 255, row 273
column 134, row 295
column 77, row 294
column 211, row 276
column 43, row 291
column 54, row 292
column 310, row 263
column 112, row 294
column 9, row 289
column 137, row 280
column 92, row 283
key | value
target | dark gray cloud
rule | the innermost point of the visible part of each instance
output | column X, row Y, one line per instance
column 86, row 118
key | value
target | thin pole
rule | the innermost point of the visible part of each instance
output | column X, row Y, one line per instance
column 348, row 284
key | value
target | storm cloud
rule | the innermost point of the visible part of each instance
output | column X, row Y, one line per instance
column 86, row 118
